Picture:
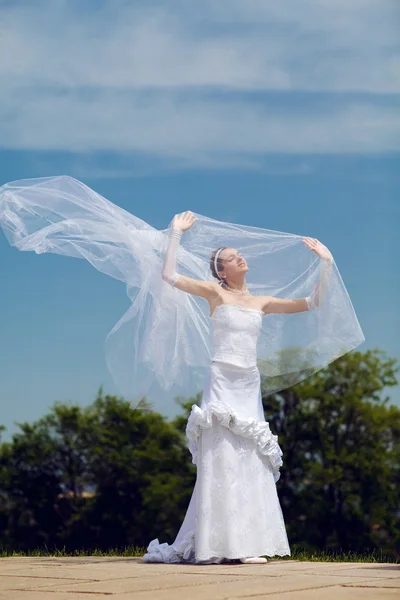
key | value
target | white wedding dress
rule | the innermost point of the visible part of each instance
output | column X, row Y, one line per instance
column 234, row 511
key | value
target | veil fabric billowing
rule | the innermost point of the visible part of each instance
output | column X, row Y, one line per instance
column 163, row 345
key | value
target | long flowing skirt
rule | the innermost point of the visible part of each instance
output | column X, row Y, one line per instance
column 234, row 511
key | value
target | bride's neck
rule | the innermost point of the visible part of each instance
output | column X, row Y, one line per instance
column 240, row 286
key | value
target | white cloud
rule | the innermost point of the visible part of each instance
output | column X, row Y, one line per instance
column 177, row 81
column 177, row 127
column 258, row 44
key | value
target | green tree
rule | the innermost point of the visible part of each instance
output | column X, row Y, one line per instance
column 96, row 477
column 141, row 472
column 108, row 476
column 340, row 436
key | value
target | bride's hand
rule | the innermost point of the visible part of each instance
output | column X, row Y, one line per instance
column 319, row 248
column 184, row 221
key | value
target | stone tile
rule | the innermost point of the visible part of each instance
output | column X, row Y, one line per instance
column 335, row 593
column 375, row 585
column 366, row 571
column 168, row 585
column 8, row 582
column 208, row 585
column 40, row 595
column 120, row 578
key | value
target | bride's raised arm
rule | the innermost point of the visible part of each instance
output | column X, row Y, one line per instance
column 206, row 289
column 315, row 299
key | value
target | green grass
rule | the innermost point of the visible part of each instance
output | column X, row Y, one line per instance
column 374, row 556
column 62, row 552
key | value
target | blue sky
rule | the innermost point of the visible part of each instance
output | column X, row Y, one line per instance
column 281, row 115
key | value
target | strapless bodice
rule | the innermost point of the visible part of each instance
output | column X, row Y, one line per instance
column 236, row 330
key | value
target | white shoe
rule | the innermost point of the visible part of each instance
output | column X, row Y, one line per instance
column 253, row 560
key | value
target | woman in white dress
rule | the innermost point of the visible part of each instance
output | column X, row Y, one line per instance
column 164, row 342
column 234, row 511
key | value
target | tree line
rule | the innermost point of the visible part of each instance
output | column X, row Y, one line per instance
column 106, row 476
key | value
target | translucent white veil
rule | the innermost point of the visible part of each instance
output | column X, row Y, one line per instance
column 162, row 346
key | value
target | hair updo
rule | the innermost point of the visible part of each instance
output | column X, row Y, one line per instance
column 220, row 266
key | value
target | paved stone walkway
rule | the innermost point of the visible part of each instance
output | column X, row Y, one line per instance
column 122, row 578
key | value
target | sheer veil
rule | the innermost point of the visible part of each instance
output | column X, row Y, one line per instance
column 162, row 346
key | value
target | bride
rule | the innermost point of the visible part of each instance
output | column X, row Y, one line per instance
column 200, row 330
column 234, row 511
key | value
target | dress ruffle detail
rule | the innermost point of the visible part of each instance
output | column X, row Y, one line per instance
column 184, row 551
column 259, row 431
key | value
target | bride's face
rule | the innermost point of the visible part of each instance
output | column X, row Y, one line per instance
column 233, row 263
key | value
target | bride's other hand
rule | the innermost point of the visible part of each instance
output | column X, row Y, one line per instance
column 184, row 221
column 319, row 248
